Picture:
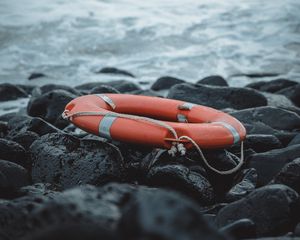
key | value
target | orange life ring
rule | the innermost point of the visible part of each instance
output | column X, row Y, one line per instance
column 208, row 127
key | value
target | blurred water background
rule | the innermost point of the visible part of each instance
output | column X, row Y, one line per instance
column 70, row 40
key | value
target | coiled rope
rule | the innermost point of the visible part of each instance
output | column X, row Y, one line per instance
column 176, row 145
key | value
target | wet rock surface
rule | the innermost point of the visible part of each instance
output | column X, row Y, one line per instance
column 112, row 70
column 11, row 92
column 271, row 208
column 214, row 81
column 57, row 180
column 56, row 156
column 165, row 83
column 217, row 97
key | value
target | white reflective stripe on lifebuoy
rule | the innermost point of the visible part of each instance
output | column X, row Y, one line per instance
column 234, row 132
column 181, row 118
column 105, row 125
column 186, row 106
column 108, row 100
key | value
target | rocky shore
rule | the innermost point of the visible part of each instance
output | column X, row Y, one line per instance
column 56, row 180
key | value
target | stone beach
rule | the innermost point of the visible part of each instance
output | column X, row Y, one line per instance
column 56, row 180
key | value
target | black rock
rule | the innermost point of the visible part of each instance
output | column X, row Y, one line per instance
column 11, row 92
column 13, row 152
column 50, row 87
column 289, row 175
column 29, row 215
column 50, row 106
column 246, row 185
column 271, row 208
column 293, row 93
column 3, row 129
column 214, row 81
column 272, row 86
column 260, row 128
column 25, row 138
column 112, row 70
column 278, row 100
column 240, row 229
column 274, row 117
column 103, row 89
column 262, row 142
column 165, row 83
column 158, row 214
column 66, row 161
column 218, row 97
column 147, row 93
column 38, row 189
column 268, row 164
column 73, row 231
column 12, row 177
column 122, row 86
column 182, row 179
column 36, row 75
column 221, row 160
column 295, row 140
column 22, row 124
column 27, row 88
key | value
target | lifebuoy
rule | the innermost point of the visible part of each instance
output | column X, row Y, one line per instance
column 129, row 118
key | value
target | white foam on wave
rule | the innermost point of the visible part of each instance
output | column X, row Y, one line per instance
column 70, row 40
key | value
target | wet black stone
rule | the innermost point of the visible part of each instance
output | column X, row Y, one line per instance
column 272, row 86
column 22, row 124
column 50, row 87
column 289, row 175
column 147, row 93
column 268, row 164
column 274, row 117
column 37, row 189
column 11, row 92
column 66, row 161
column 293, row 93
column 240, row 229
column 218, row 97
column 278, row 100
column 12, row 177
column 25, row 138
column 271, row 208
column 27, row 88
column 295, row 140
column 262, row 142
column 36, row 75
column 182, row 179
column 3, row 129
column 245, row 185
column 222, row 160
column 13, row 152
column 50, row 106
column 32, row 214
column 159, row 214
column 112, row 70
column 165, row 83
column 103, row 89
column 260, row 128
column 73, row 231
column 214, row 81
column 122, row 86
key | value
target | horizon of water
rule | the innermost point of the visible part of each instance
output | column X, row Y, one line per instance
column 70, row 40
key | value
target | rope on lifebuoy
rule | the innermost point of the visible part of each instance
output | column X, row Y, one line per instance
column 176, row 145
